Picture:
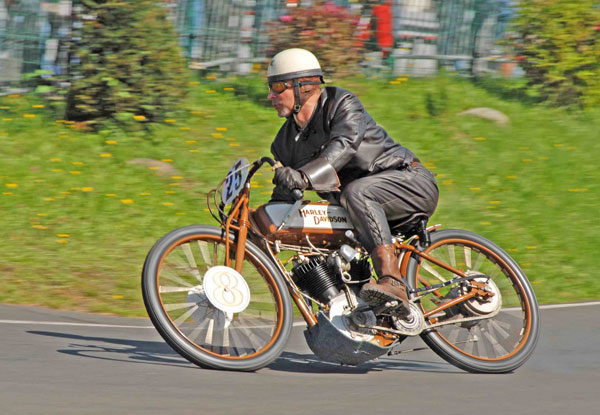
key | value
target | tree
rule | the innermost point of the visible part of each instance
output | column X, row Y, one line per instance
column 130, row 66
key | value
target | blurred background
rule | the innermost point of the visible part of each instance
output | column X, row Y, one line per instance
column 117, row 118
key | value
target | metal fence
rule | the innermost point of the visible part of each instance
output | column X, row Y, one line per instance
column 414, row 37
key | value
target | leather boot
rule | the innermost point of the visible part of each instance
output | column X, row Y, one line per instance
column 390, row 286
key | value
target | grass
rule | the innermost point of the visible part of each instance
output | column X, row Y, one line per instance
column 79, row 218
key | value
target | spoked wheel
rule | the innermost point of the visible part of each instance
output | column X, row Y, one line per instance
column 210, row 314
column 500, row 327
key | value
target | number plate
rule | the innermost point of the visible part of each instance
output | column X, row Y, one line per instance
column 226, row 289
column 236, row 177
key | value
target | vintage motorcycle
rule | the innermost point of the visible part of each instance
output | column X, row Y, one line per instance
column 222, row 296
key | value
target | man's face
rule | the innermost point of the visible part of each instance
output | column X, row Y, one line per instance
column 284, row 101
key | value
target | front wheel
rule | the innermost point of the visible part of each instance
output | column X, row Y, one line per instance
column 210, row 314
column 494, row 334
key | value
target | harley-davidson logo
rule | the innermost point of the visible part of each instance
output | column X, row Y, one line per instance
column 320, row 216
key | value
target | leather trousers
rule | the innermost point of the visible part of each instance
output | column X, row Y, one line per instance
column 390, row 195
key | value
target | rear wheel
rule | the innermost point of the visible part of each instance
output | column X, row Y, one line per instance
column 496, row 344
column 182, row 280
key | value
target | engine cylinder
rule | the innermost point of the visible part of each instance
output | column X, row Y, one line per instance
column 317, row 278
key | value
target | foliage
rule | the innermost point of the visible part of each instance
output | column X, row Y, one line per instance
column 325, row 29
column 558, row 45
column 131, row 69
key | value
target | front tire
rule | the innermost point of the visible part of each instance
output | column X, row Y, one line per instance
column 498, row 344
column 176, row 300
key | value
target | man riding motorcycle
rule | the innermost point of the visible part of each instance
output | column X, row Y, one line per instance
column 331, row 144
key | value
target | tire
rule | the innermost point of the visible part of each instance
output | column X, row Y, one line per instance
column 498, row 344
column 174, row 296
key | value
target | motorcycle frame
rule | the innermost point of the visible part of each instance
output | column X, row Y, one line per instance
column 238, row 220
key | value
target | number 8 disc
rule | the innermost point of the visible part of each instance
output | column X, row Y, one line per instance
column 226, row 289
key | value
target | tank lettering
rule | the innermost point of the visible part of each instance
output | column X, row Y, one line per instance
column 329, row 219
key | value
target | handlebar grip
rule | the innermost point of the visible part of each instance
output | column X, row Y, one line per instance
column 297, row 194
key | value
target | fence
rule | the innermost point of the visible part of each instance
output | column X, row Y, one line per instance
column 413, row 37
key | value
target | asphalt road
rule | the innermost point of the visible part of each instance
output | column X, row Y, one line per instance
column 56, row 362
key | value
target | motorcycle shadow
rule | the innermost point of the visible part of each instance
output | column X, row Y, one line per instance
column 309, row 363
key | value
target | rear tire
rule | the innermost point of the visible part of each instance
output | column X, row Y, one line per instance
column 174, row 295
column 497, row 344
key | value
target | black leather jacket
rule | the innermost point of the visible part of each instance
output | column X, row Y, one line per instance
column 342, row 132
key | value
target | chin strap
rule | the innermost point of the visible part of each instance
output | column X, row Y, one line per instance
column 297, row 85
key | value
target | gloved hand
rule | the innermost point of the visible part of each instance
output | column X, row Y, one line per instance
column 290, row 178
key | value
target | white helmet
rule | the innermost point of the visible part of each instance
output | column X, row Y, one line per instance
column 292, row 64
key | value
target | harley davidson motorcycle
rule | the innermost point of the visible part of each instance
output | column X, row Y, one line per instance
column 222, row 296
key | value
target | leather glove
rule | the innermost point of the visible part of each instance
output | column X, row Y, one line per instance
column 290, row 178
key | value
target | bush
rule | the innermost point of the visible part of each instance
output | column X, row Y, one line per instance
column 558, row 46
column 131, row 70
column 325, row 29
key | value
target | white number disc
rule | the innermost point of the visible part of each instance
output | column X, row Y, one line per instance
column 236, row 177
column 226, row 289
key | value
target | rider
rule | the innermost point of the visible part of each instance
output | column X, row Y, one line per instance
column 330, row 143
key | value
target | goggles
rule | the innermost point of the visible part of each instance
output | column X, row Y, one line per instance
column 280, row 86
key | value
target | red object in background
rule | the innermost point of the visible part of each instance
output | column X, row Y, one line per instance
column 383, row 33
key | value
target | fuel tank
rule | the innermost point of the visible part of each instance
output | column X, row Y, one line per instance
column 324, row 223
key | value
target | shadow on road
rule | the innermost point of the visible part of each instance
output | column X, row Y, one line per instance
column 123, row 350
column 159, row 353
column 308, row 363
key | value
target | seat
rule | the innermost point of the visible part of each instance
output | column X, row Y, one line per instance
column 413, row 225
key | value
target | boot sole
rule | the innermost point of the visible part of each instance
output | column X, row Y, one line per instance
column 374, row 297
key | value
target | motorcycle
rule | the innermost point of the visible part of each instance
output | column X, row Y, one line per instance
column 221, row 296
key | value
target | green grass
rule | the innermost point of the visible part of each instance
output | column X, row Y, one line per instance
column 78, row 219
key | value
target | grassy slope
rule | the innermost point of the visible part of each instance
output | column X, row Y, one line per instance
column 78, row 223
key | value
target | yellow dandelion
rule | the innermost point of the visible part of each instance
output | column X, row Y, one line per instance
column 55, row 160
column 249, row 150
column 7, row 119
column 77, row 163
column 13, row 185
column 480, row 138
column 221, row 129
column 153, row 168
column 511, row 177
column 139, row 117
column 228, row 89
column 176, row 177
column 181, row 213
column 66, row 193
column 39, row 226
column 447, row 182
column 170, row 121
column 234, row 144
column 145, row 194
column 174, row 184
column 110, row 195
column 578, row 190
column 184, row 128
column 62, row 241
column 531, row 247
column 395, row 82
column 117, row 297
column 74, row 172
column 105, row 155
column 170, row 192
column 48, row 199
column 7, row 193
column 210, row 91
column 194, row 151
column 191, row 141
column 29, row 115
column 474, row 188
column 110, row 142
column 63, row 136
column 168, row 203
column 494, row 202
column 217, row 135
column 87, row 189
column 57, row 170
column 127, row 201
column 37, row 106
column 210, row 77
column 167, row 160
column 536, row 282
column 485, row 223
column 42, row 214
column 193, row 83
